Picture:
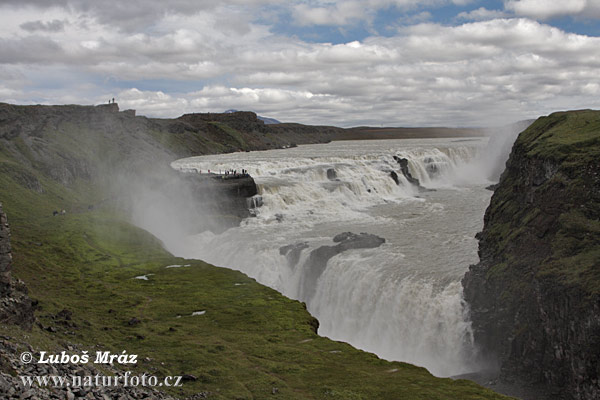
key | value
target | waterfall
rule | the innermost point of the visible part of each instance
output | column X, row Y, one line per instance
column 402, row 300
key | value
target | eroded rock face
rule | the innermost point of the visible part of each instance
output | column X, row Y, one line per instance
column 15, row 306
column 227, row 201
column 317, row 260
column 534, row 295
column 403, row 162
column 331, row 174
column 292, row 252
column 5, row 255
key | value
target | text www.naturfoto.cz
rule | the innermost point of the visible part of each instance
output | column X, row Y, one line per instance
column 76, row 381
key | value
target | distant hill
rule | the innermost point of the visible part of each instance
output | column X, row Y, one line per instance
column 266, row 120
column 374, row 133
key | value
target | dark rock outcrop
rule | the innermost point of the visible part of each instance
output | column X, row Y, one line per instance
column 403, row 162
column 535, row 294
column 292, row 252
column 5, row 255
column 331, row 174
column 317, row 260
column 225, row 197
column 15, row 306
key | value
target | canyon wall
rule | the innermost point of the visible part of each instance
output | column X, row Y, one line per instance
column 534, row 295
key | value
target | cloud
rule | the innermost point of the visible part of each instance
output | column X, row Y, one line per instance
column 547, row 9
column 50, row 26
column 133, row 14
column 338, row 14
column 32, row 49
column 480, row 14
column 208, row 56
column 344, row 12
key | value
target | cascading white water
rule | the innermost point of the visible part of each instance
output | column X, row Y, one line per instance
column 402, row 300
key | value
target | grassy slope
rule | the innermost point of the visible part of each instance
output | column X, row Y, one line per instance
column 250, row 340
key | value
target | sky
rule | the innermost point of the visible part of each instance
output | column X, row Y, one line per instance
column 347, row 63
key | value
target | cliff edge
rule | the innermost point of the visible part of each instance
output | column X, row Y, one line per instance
column 534, row 295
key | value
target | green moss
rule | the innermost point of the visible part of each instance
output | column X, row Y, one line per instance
column 564, row 135
column 229, row 131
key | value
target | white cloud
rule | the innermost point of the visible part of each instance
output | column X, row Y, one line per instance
column 344, row 12
column 216, row 57
column 546, row 9
column 480, row 14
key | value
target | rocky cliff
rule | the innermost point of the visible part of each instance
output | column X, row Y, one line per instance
column 15, row 305
column 535, row 294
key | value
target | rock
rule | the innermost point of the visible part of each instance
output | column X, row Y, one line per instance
column 430, row 166
column 64, row 314
column 215, row 197
column 15, row 305
column 11, row 386
column 331, row 174
column 403, row 162
column 5, row 255
column 133, row 321
column 317, row 260
column 292, row 252
column 534, row 296
column 254, row 202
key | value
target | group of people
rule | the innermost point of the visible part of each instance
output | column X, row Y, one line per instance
column 234, row 172
column 229, row 173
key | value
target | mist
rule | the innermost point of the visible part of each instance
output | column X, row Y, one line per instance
column 493, row 160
